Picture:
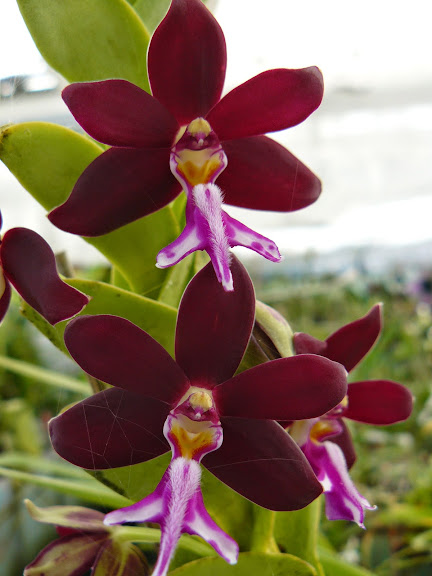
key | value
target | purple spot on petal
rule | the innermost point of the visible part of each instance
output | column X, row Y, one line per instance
column 257, row 246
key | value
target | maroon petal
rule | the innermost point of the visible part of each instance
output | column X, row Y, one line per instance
column 29, row 265
column 120, row 186
column 259, row 460
column 116, row 351
column 187, row 60
column 378, row 402
column 72, row 555
column 271, row 101
column 119, row 113
column 306, row 344
column 295, row 388
column 214, row 326
column 263, row 175
column 352, row 342
column 345, row 443
column 110, row 429
column 5, row 297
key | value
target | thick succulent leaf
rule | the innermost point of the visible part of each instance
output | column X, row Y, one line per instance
column 295, row 388
column 187, row 60
column 73, row 555
column 74, row 517
column 151, row 12
column 119, row 113
column 349, row 344
column 259, row 460
column 89, row 41
column 109, row 429
column 176, row 281
column 263, row 175
column 29, row 265
column 248, row 563
column 296, row 532
column 156, row 318
column 118, row 187
column 120, row 559
column 335, row 566
column 272, row 101
column 378, row 402
column 48, row 159
column 214, row 326
column 116, row 351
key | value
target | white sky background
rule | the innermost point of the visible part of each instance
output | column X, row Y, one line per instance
column 371, row 141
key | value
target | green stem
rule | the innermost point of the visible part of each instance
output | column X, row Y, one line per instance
column 153, row 536
column 262, row 533
column 85, row 490
column 43, row 376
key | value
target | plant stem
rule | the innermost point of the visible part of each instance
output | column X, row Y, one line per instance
column 262, row 533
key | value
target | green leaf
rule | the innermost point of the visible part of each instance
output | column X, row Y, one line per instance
column 156, row 318
column 296, row 532
column 248, row 563
column 151, row 11
column 334, row 566
column 89, row 40
column 44, row 376
column 48, row 159
column 86, row 490
column 176, row 281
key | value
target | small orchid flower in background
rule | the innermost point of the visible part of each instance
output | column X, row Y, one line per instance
column 124, row 424
column 28, row 263
column 326, row 440
column 85, row 543
column 186, row 136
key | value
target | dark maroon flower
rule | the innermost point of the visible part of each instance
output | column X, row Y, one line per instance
column 187, row 126
column 28, row 263
column 326, row 440
column 124, row 424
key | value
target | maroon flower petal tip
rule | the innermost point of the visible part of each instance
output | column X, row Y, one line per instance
column 117, row 188
column 119, row 113
column 110, row 429
column 263, row 175
column 214, row 326
column 29, row 265
column 345, row 443
column 296, row 388
column 187, row 60
column 5, row 296
column 260, row 461
column 306, row 344
column 116, row 351
column 378, row 402
column 272, row 101
column 352, row 342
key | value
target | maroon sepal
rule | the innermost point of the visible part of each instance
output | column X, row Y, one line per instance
column 29, row 265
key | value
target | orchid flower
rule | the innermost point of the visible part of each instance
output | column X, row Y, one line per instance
column 28, row 263
column 192, row 430
column 326, row 440
column 186, row 136
column 85, row 543
column 124, row 424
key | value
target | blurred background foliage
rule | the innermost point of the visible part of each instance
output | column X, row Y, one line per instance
column 394, row 465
